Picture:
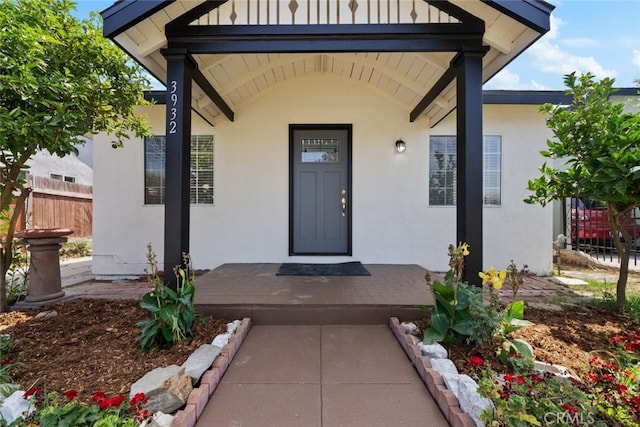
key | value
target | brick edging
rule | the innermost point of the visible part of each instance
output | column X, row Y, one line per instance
column 446, row 400
column 199, row 397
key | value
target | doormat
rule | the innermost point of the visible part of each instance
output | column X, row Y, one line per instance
column 342, row 269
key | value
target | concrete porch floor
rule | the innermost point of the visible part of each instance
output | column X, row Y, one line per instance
column 255, row 291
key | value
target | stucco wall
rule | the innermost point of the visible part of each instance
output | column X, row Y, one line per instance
column 392, row 222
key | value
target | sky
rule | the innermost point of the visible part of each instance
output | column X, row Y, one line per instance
column 597, row 36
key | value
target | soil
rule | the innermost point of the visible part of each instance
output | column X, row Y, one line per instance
column 90, row 345
column 567, row 337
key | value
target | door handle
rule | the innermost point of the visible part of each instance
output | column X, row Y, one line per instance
column 343, row 201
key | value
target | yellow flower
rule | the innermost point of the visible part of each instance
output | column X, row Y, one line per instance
column 496, row 278
column 465, row 248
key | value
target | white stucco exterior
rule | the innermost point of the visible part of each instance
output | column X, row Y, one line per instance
column 392, row 220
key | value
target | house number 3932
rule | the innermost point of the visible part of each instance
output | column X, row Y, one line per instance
column 173, row 112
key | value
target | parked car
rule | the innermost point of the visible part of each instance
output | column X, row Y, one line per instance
column 590, row 222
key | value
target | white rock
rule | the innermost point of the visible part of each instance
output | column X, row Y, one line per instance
column 415, row 340
column 409, row 328
column 470, row 401
column 159, row 419
column 200, row 360
column 46, row 314
column 451, row 381
column 232, row 326
column 221, row 340
column 166, row 388
column 444, row 366
column 433, row 351
column 15, row 406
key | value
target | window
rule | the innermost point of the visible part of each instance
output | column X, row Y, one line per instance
column 64, row 178
column 201, row 187
column 442, row 170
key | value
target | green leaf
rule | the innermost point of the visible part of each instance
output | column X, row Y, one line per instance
column 440, row 322
column 149, row 303
column 444, row 291
column 522, row 347
column 432, row 336
column 464, row 327
column 515, row 310
column 519, row 323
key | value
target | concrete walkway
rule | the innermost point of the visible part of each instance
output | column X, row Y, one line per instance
column 340, row 375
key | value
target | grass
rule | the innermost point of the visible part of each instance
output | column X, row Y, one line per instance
column 603, row 295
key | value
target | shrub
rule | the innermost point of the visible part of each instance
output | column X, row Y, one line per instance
column 53, row 410
column 173, row 311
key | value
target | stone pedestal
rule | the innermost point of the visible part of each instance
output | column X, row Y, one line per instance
column 45, row 283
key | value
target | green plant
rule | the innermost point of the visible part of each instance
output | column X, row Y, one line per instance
column 17, row 275
column 6, row 366
column 76, row 247
column 512, row 320
column 614, row 379
column 461, row 312
column 529, row 398
column 451, row 319
column 173, row 311
column 52, row 410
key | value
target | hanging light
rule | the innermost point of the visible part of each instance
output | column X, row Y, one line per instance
column 401, row 146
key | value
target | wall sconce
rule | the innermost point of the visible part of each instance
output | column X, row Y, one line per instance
column 401, row 146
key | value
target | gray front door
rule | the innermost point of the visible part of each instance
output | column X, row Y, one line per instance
column 320, row 199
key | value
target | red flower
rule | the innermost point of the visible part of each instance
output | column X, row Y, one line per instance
column 535, row 377
column 622, row 389
column 111, row 402
column 71, row 394
column 475, row 361
column 592, row 377
column 508, row 377
column 608, row 377
column 99, row 396
column 138, row 398
column 569, row 408
column 520, row 379
column 32, row 391
column 4, row 362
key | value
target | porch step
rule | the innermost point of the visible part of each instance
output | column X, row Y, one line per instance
column 236, row 291
column 286, row 314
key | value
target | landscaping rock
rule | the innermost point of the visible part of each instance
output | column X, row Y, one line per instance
column 221, row 340
column 200, row 360
column 46, row 314
column 159, row 419
column 232, row 326
column 433, row 351
column 470, row 401
column 410, row 328
column 444, row 366
column 15, row 406
column 166, row 388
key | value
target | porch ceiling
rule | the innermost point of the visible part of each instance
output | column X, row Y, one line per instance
column 402, row 78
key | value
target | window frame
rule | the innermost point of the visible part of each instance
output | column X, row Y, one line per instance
column 194, row 198
column 449, row 198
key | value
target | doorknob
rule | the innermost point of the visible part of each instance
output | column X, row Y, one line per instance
column 344, row 202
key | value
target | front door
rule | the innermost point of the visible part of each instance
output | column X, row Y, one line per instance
column 320, row 189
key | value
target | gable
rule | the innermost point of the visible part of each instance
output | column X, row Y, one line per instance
column 402, row 50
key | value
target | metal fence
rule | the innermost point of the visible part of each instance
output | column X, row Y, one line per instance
column 587, row 227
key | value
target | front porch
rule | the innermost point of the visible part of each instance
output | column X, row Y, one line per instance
column 254, row 290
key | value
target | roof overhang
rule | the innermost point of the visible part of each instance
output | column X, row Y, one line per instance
column 247, row 48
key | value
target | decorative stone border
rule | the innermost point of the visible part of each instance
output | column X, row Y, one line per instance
column 199, row 397
column 446, row 400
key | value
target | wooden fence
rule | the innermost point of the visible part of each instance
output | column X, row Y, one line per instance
column 58, row 204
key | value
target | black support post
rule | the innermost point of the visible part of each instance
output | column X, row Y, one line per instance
column 177, row 168
column 469, row 157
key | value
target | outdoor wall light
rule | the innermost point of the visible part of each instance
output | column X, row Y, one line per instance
column 401, row 146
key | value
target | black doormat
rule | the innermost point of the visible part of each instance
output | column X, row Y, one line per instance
column 342, row 269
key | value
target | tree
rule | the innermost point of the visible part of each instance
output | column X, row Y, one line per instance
column 599, row 144
column 59, row 79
